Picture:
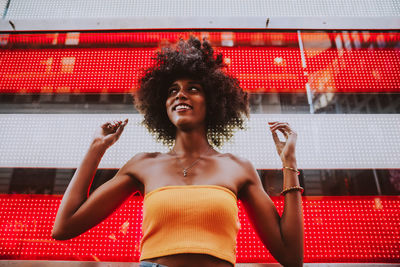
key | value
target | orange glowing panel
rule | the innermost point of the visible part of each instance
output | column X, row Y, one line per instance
column 337, row 229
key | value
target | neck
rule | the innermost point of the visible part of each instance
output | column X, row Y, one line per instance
column 192, row 143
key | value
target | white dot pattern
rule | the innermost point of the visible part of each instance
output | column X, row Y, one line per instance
column 3, row 5
column 324, row 141
column 40, row 9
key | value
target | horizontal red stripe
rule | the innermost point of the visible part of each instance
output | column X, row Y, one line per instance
column 260, row 69
column 146, row 38
column 216, row 38
column 337, row 229
column 116, row 70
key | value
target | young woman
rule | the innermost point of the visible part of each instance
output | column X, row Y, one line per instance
column 191, row 192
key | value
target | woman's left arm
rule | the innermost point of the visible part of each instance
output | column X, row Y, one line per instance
column 283, row 236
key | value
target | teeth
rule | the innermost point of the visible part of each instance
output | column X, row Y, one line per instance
column 181, row 107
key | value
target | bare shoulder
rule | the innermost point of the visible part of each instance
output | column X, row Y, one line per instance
column 142, row 156
column 138, row 162
column 146, row 155
column 240, row 161
column 135, row 166
column 244, row 171
column 243, row 168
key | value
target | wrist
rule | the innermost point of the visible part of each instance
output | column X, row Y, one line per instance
column 291, row 163
column 98, row 145
column 285, row 168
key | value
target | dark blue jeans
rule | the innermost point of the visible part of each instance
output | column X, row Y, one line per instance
column 150, row 264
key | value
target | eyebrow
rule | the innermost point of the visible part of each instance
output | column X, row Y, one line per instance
column 196, row 83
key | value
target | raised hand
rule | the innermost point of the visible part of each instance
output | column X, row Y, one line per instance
column 287, row 149
column 108, row 133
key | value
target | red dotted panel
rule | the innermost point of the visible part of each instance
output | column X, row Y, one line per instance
column 267, row 69
column 264, row 62
column 260, row 69
column 354, row 71
column 116, row 70
column 147, row 38
column 216, row 38
column 337, row 229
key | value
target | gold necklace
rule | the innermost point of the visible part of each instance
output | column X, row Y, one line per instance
column 185, row 170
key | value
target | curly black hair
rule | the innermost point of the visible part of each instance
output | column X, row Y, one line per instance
column 226, row 102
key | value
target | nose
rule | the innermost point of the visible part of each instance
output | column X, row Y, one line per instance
column 181, row 94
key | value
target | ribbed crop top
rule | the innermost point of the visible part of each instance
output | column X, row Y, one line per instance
column 190, row 219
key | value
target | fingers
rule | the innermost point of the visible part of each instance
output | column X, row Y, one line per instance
column 283, row 127
column 114, row 126
column 286, row 148
column 105, row 125
column 121, row 128
column 275, row 137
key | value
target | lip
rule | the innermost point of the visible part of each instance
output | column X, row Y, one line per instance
column 181, row 103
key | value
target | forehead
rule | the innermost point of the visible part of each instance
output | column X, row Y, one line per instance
column 183, row 81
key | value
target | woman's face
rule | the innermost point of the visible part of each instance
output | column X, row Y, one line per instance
column 186, row 104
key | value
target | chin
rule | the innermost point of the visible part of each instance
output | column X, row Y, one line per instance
column 184, row 126
column 181, row 121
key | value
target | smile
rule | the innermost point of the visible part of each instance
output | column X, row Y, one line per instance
column 182, row 106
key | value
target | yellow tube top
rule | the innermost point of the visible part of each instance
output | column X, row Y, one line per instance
column 199, row 219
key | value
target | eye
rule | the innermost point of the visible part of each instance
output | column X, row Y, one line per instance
column 194, row 89
column 172, row 90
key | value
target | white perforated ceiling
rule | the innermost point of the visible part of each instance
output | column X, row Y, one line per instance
column 41, row 9
column 3, row 5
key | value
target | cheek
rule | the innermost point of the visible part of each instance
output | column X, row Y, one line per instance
column 167, row 110
column 169, row 115
column 168, row 103
column 204, row 105
column 204, row 110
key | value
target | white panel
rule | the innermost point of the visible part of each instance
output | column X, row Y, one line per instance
column 222, row 22
column 176, row 8
column 72, row 15
column 3, row 5
column 324, row 141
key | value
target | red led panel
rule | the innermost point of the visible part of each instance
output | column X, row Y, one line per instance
column 363, row 38
column 337, row 229
column 85, row 62
column 260, row 69
column 145, row 38
column 116, row 70
column 216, row 38
column 266, row 69
column 354, row 70
column 99, row 70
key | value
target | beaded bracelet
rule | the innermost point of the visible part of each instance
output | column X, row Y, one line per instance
column 291, row 169
column 293, row 188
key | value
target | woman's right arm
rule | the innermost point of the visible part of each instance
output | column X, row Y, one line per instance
column 79, row 212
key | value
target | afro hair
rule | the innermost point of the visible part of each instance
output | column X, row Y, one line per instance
column 227, row 103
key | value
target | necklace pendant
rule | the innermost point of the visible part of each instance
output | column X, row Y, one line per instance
column 184, row 173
